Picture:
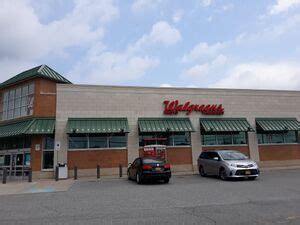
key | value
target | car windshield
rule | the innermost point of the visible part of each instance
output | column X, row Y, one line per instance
column 233, row 156
column 150, row 161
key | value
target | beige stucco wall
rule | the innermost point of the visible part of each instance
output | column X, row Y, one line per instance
column 135, row 102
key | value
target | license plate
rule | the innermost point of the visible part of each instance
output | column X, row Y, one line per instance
column 158, row 169
column 248, row 172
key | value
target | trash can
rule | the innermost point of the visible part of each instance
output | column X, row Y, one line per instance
column 62, row 171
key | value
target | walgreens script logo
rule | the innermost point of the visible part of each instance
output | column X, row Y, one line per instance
column 173, row 107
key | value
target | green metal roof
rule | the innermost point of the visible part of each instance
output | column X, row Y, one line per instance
column 225, row 124
column 278, row 124
column 41, row 126
column 97, row 125
column 14, row 129
column 165, row 125
column 29, row 127
column 42, row 71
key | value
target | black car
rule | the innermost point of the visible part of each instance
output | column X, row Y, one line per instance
column 144, row 169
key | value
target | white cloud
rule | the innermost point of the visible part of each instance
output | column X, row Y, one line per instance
column 283, row 6
column 105, row 67
column 206, row 3
column 166, row 85
column 197, row 72
column 262, row 76
column 177, row 16
column 227, row 7
column 203, row 50
column 25, row 39
column 143, row 5
column 161, row 33
column 270, row 32
column 112, row 68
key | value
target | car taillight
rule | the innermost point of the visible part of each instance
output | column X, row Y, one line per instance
column 147, row 167
column 167, row 166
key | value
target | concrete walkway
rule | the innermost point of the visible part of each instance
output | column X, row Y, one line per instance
column 40, row 186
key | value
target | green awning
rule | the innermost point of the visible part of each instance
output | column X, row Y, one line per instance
column 165, row 125
column 14, row 129
column 225, row 125
column 41, row 126
column 97, row 125
column 278, row 124
column 28, row 127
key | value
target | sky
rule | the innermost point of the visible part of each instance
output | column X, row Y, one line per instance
column 253, row 44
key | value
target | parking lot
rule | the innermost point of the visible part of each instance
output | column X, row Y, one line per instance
column 274, row 198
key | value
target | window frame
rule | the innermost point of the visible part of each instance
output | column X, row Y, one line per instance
column 262, row 135
column 18, row 105
column 108, row 136
column 46, row 150
column 169, row 139
column 216, row 134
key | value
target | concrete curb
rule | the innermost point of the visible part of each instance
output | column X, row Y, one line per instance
column 185, row 173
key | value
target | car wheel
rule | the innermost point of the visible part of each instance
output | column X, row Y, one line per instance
column 252, row 178
column 201, row 171
column 138, row 178
column 222, row 174
column 166, row 180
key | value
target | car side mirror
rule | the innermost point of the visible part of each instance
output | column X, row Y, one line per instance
column 129, row 164
column 216, row 158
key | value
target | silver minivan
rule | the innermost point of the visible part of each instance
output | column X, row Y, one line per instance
column 227, row 164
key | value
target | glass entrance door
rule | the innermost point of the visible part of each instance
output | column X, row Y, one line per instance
column 17, row 164
column 20, row 165
column 5, row 163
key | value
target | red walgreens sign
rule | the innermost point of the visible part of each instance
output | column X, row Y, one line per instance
column 173, row 107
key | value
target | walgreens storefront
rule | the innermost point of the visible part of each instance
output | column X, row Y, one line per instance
column 109, row 125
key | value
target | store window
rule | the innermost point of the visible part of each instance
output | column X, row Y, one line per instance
column 117, row 140
column 78, row 141
column 18, row 102
column 91, row 141
column 48, row 152
column 237, row 138
column 20, row 142
column 98, row 141
column 163, row 138
column 277, row 137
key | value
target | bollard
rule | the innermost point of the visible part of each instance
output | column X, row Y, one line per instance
column 4, row 176
column 30, row 175
column 56, row 173
column 98, row 171
column 75, row 173
column 120, row 171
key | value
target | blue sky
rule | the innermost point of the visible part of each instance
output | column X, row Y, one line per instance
column 196, row 43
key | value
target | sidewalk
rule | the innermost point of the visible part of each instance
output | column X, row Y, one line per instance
column 39, row 186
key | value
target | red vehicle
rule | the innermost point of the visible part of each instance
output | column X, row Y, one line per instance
column 145, row 169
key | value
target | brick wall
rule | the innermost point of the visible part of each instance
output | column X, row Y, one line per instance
column 279, row 152
column 242, row 149
column 36, row 156
column 176, row 155
column 89, row 159
column 45, row 98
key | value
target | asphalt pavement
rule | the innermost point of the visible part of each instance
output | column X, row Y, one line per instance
column 274, row 198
